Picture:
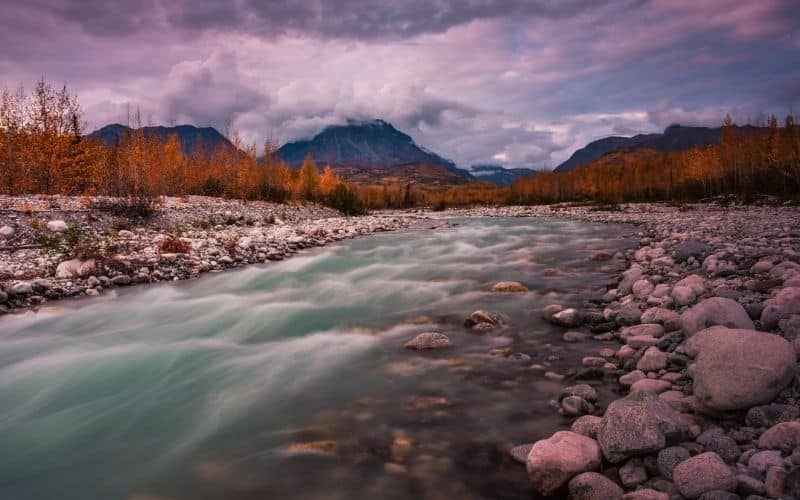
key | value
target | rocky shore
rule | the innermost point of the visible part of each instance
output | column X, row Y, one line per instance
column 701, row 335
column 53, row 247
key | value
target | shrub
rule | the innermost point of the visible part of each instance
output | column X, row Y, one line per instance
column 174, row 245
column 141, row 207
column 440, row 206
column 344, row 199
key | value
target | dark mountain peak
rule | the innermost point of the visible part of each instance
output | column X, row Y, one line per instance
column 363, row 143
column 191, row 137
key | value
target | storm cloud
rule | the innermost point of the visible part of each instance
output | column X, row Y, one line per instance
column 522, row 83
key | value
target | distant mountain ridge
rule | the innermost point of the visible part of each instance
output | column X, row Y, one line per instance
column 372, row 143
column 674, row 139
column 497, row 174
column 191, row 137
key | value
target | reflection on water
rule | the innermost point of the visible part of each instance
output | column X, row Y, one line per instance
column 290, row 381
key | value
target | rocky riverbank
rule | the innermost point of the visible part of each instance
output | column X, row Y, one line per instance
column 53, row 247
column 706, row 324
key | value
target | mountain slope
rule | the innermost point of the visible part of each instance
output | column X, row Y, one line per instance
column 372, row 144
column 499, row 175
column 191, row 137
column 674, row 139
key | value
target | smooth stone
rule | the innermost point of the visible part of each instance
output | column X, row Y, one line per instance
column 584, row 391
column 629, row 314
column 783, row 305
column 567, row 318
column 75, row 268
column 642, row 288
column 715, row 311
column 669, row 458
column 682, row 295
column 520, row 453
column 638, row 424
column 632, row 473
column 573, row 336
column 702, row 473
column 715, row 440
column 6, row 232
column 669, row 319
column 761, row 461
column 651, row 385
column 57, row 226
column 645, row 494
column 632, row 377
column 554, row 461
column 653, row 360
column 593, row 486
column 509, row 287
column 586, row 425
column 429, row 340
column 783, row 436
column 691, row 248
column 576, row 406
column 769, row 415
column 738, row 369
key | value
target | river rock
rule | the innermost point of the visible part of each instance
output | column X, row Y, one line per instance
column 630, row 277
column 669, row 458
column 593, row 486
column 769, row 415
column 75, row 268
column 638, row 424
column 554, row 461
column 576, row 406
column 642, row 288
column 57, row 226
column 652, row 360
column 651, row 385
column 520, row 453
column 715, row 311
column 760, row 462
column 682, row 295
column 6, row 232
column 586, row 425
column 21, row 289
column 669, row 319
column 629, row 314
column 509, row 287
column 783, row 436
column 691, row 248
column 645, row 494
column 784, row 304
column 715, row 440
column 429, row 340
column 480, row 320
column 702, row 473
column 584, row 391
column 568, row 318
column 738, row 369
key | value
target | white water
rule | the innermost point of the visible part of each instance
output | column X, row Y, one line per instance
column 194, row 389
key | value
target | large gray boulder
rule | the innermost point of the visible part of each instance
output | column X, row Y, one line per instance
column 75, row 268
column 736, row 369
column 554, row 461
column 783, row 305
column 639, row 424
column 703, row 473
column 715, row 311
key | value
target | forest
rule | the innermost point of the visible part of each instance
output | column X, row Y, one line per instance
column 43, row 150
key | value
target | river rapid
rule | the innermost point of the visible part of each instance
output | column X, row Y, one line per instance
column 290, row 380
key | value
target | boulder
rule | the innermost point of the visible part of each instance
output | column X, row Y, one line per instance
column 738, row 369
column 691, row 248
column 520, row 453
column 670, row 319
column 653, row 360
column 669, row 458
column 429, row 340
column 629, row 314
column 783, row 305
column 642, row 288
column 6, row 232
column 554, row 461
column 75, row 268
column 715, row 311
column 702, row 473
column 725, row 446
column 769, row 415
column 509, row 287
column 682, row 295
column 592, row 486
column 783, row 436
column 483, row 320
column 586, row 425
column 57, row 226
column 695, row 282
column 638, row 424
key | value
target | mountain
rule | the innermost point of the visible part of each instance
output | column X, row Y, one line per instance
column 370, row 145
column 189, row 135
column 675, row 138
column 499, row 175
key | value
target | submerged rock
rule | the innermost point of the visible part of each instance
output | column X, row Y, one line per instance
column 429, row 340
column 509, row 287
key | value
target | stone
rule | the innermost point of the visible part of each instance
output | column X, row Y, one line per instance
column 774, row 482
column 632, row 473
column 651, row 385
column 748, row 485
column 769, row 415
column 653, row 360
column 631, row 378
column 669, row 319
column 573, row 336
column 554, row 461
column 568, row 318
column 593, row 486
column 738, row 369
column 629, row 314
column 520, row 453
column 761, row 267
column 584, row 391
column 642, row 288
column 722, row 495
column 650, row 330
column 783, row 305
column 509, row 287
column 682, row 295
column 576, row 406
column 691, row 248
column 761, row 461
column 121, row 280
column 21, row 289
column 669, row 458
column 57, row 226
column 638, row 424
column 715, row 311
column 75, row 268
column 783, row 436
column 630, row 277
column 645, row 494
column 6, row 232
column 429, row 340
column 702, row 473
column 715, row 440
column 695, row 282
column 586, row 425
column 124, row 233
column 481, row 317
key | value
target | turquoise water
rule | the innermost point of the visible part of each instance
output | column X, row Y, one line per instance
column 197, row 389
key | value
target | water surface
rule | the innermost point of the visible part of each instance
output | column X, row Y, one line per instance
column 199, row 389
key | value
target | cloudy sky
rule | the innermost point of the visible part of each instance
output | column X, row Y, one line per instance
column 517, row 82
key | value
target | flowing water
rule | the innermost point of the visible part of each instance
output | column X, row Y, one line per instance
column 290, row 380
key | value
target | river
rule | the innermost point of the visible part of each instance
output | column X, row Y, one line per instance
column 225, row 386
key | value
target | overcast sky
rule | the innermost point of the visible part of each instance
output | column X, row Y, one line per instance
column 516, row 82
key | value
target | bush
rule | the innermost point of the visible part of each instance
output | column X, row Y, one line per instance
column 440, row 206
column 344, row 199
column 174, row 245
column 141, row 207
